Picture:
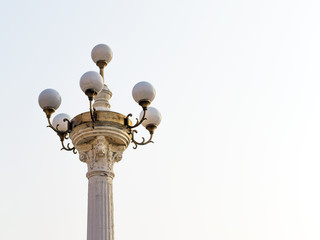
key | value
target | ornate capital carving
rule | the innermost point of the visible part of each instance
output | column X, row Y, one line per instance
column 100, row 156
column 100, row 147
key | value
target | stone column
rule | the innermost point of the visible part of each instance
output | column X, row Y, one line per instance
column 100, row 147
column 100, row 159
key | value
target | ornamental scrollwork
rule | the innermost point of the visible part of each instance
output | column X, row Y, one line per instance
column 100, row 156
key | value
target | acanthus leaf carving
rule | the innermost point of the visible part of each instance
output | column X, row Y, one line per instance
column 83, row 156
column 117, row 156
column 100, row 156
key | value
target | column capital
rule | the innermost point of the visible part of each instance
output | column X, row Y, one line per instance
column 100, row 147
column 100, row 156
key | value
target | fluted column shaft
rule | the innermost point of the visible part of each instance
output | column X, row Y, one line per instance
column 100, row 157
column 100, row 208
column 100, row 147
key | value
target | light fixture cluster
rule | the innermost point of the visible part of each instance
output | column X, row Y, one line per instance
column 92, row 84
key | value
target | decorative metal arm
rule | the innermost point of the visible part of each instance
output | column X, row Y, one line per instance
column 144, row 142
column 126, row 121
column 93, row 113
column 68, row 148
column 63, row 135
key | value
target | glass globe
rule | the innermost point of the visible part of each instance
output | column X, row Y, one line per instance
column 153, row 117
column 143, row 91
column 58, row 121
column 91, row 81
column 49, row 98
column 101, row 52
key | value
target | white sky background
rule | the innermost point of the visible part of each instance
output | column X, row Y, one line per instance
column 237, row 153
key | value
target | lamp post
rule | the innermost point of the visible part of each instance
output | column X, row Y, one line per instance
column 100, row 136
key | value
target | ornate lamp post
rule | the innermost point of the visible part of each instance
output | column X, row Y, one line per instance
column 100, row 136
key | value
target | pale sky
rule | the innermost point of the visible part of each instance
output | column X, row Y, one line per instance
column 236, row 156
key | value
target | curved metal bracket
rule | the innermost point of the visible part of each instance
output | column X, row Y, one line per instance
column 144, row 142
column 126, row 120
column 68, row 148
column 63, row 135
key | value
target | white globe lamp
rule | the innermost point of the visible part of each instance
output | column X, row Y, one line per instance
column 49, row 98
column 101, row 52
column 59, row 124
column 143, row 93
column 91, row 83
column 153, row 119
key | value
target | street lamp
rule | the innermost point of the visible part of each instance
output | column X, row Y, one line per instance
column 100, row 136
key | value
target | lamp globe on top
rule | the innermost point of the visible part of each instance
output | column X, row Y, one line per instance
column 101, row 52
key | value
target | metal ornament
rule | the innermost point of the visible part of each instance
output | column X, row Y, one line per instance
column 62, row 135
